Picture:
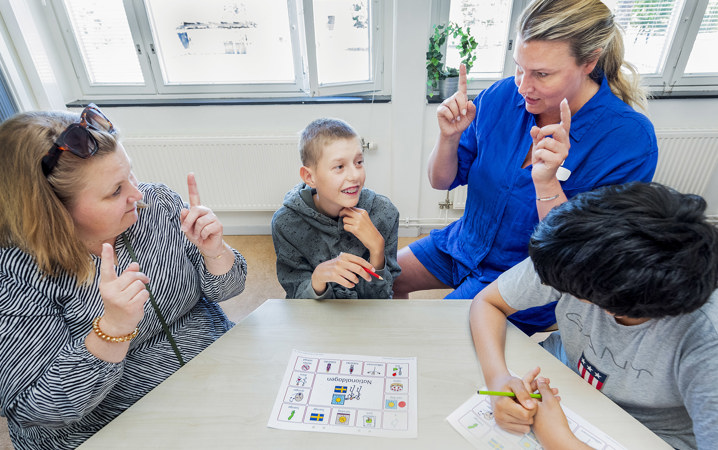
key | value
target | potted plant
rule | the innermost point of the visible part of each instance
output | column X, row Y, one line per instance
column 436, row 70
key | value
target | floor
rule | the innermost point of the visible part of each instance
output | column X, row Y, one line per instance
column 261, row 284
column 262, row 279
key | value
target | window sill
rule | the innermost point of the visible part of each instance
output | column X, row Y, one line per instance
column 233, row 101
column 653, row 95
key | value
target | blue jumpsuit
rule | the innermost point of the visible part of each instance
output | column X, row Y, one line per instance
column 611, row 143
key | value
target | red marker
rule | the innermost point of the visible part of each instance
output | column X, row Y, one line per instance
column 372, row 273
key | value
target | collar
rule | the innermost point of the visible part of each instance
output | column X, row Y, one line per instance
column 584, row 120
column 579, row 125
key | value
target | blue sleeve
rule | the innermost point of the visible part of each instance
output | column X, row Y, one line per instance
column 469, row 142
column 491, row 107
column 467, row 151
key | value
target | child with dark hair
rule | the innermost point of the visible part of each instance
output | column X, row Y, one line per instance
column 634, row 269
column 333, row 237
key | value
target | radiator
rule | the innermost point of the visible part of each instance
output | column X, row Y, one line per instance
column 239, row 173
column 686, row 162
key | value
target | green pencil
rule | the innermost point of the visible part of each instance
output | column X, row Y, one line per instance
column 505, row 394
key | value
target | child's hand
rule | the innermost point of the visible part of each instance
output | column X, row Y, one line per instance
column 344, row 270
column 516, row 415
column 358, row 223
column 550, row 424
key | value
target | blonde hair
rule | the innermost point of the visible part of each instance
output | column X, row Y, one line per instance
column 587, row 26
column 34, row 212
column 320, row 133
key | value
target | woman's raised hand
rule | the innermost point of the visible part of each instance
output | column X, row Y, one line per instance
column 200, row 225
column 123, row 296
column 550, row 146
column 456, row 112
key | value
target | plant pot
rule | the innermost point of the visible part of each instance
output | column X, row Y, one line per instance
column 448, row 86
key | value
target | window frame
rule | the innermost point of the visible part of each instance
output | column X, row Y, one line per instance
column 9, row 70
column 677, row 81
column 61, row 16
column 314, row 89
column 440, row 15
column 671, row 82
column 306, row 83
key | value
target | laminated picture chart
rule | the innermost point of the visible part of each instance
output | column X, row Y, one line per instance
column 475, row 421
column 350, row 394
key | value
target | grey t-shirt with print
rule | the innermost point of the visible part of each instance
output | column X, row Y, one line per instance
column 663, row 372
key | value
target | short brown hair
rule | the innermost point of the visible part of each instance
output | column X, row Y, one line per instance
column 318, row 134
column 34, row 212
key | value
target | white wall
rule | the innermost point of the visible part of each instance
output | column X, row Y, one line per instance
column 404, row 129
column 700, row 114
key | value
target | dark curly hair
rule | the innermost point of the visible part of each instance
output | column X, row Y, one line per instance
column 640, row 250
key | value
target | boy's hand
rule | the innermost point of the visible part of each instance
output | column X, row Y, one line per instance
column 550, row 424
column 344, row 270
column 517, row 415
column 358, row 223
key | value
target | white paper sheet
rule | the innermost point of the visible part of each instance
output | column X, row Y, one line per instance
column 350, row 394
column 475, row 421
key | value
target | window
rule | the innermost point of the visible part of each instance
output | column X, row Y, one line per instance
column 342, row 41
column 647, row 28
column 489, row 23
column 671, row 42
column 224, row 47
column 102, row 34
column 8, row 107
column 702, row 59
column 216, row 43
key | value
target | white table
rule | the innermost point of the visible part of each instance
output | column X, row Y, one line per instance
column 223, row 398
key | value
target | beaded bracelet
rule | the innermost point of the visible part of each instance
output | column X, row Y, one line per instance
column 547, row 199
column 104, row 337
column 211, row 257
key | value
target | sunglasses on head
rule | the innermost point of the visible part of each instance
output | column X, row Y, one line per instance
column 77, row 138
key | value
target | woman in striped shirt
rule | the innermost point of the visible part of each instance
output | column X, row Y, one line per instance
column 107, row 285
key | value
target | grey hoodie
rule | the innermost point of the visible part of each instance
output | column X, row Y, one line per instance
column 304, row 238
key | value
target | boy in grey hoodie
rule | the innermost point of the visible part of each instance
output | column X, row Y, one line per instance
column 333, row 237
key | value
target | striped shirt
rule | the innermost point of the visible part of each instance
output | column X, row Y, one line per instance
column 53, row 391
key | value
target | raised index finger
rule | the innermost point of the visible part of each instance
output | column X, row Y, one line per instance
column 107, row 263
column 462, row 79
column 193, row 191
column 565, row 116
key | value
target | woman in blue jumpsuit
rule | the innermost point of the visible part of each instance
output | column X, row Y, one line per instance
column 511, row 147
